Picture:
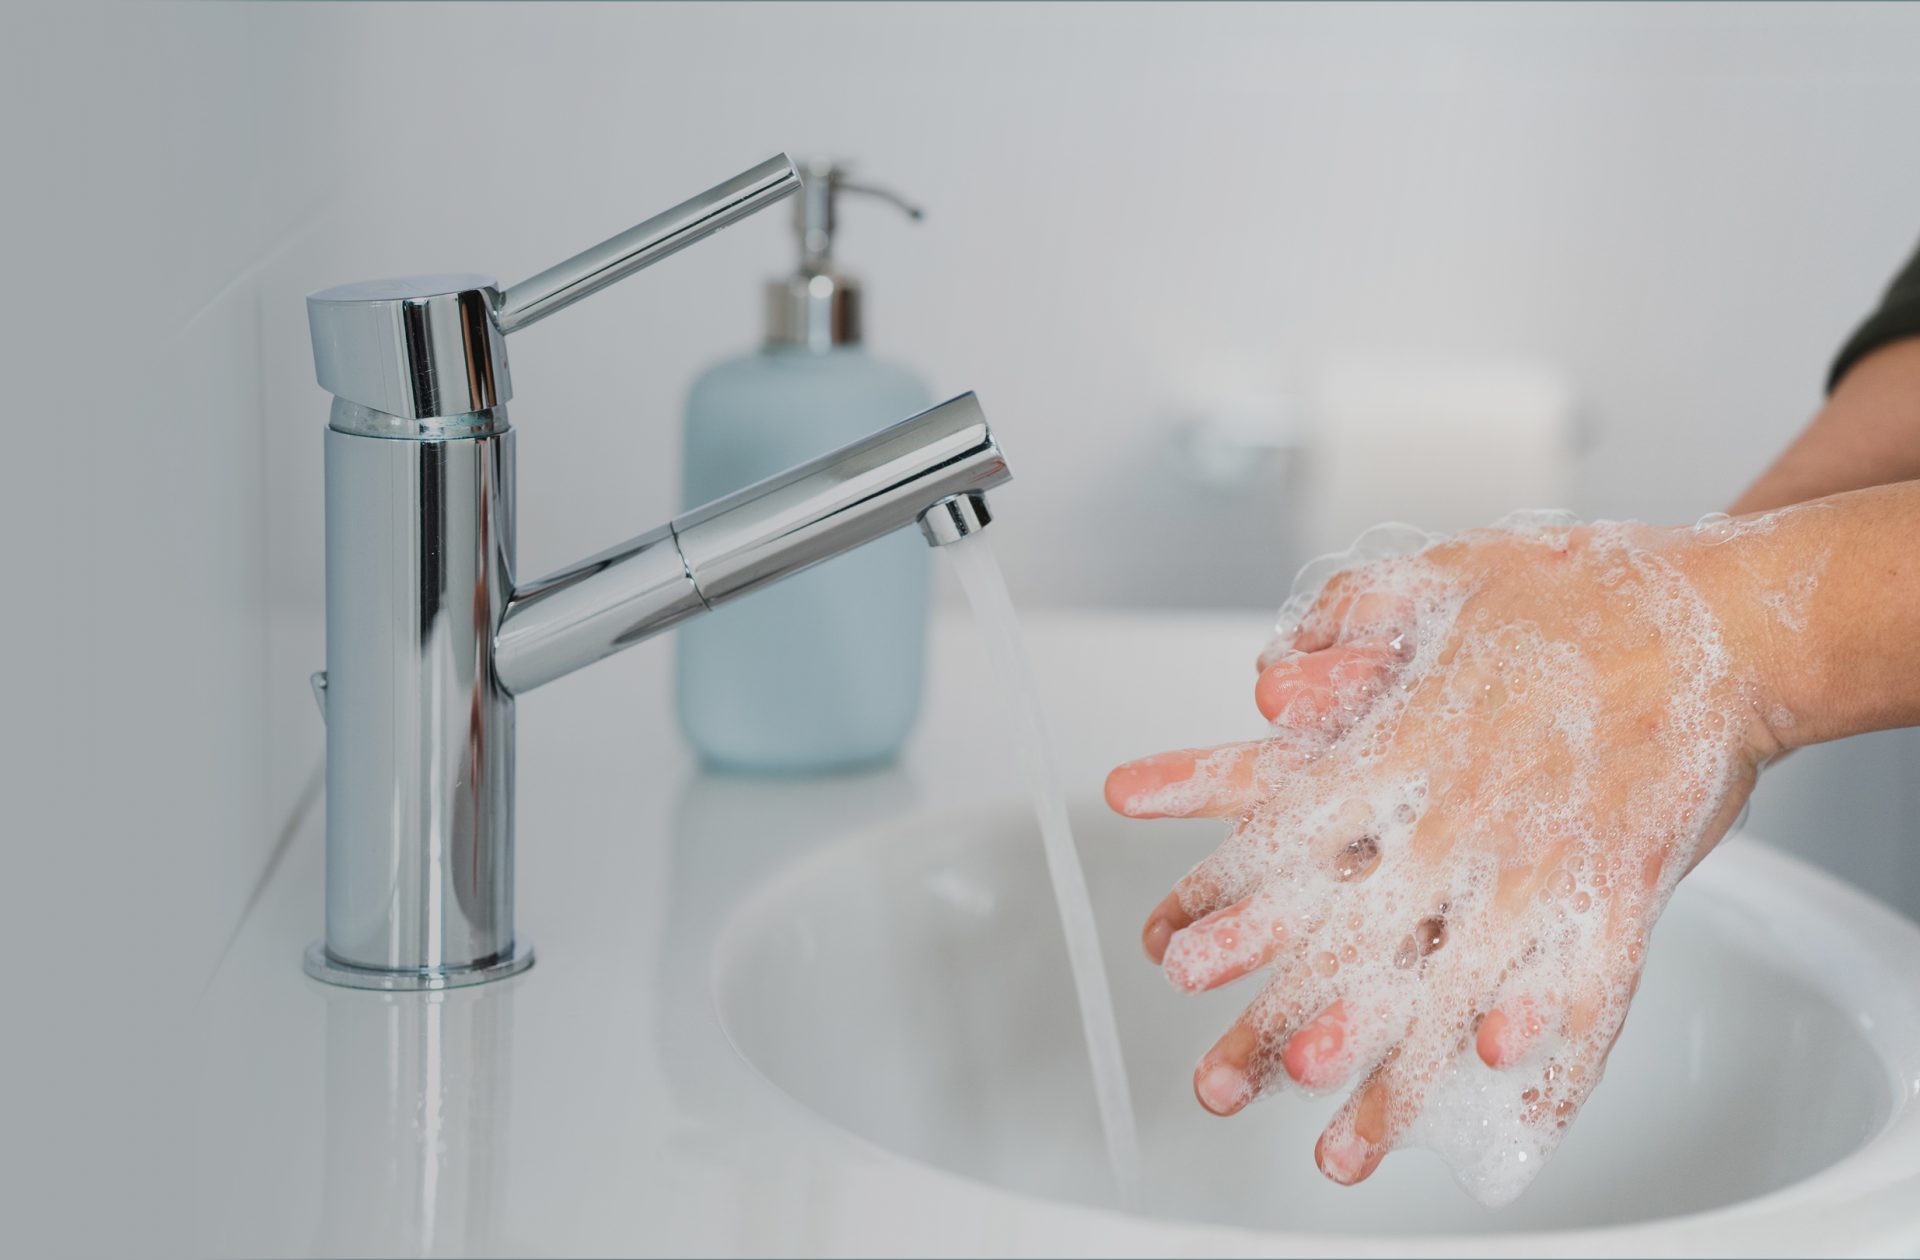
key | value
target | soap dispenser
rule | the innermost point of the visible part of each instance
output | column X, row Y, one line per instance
column 821, row 672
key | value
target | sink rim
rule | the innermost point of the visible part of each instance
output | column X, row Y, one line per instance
column 1864, row 1199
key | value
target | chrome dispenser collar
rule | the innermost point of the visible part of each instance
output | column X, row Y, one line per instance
column 424, row 346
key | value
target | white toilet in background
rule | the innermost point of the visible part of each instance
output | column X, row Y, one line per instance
column 910, row 986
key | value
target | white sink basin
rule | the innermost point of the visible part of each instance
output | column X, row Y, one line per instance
column 910, row 985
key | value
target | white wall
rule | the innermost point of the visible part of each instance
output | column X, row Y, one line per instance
column 142, row 791
column 1681, row 209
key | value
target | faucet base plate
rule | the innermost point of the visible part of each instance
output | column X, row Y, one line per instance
column 324, row 967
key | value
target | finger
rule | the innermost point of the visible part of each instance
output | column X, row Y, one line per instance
column 1341, row 1040
column 1245, row 1062
column 1167, row 918
column 1593, row 1024
column 1316, row 690
column 1225, row 945
column 1238, row 1067
column 1346, row 615
column 1511, row 1030
column 1376, row 1116
column 1635, row 895
column 1217, row 882
column 1199, row 782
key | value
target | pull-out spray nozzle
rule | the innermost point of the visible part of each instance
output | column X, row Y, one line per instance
column 934, row 468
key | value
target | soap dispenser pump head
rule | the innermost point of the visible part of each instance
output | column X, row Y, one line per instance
column 817, row 308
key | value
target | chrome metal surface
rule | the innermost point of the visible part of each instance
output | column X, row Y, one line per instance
column 428, row 636
column 320, row 963
column 817, row 307
column 750, row 538
column 421, row 347
column 351, row 417
column 950, row 520
column 594, row 269
column 837, row 502
column 412, row 346
column 593, row 609
column 420, row 543
column 817, row 312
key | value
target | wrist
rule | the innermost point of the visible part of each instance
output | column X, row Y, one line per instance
column 1763, row 602
column 1821, row 602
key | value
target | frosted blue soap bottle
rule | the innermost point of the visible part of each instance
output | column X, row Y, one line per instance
column 822, row 671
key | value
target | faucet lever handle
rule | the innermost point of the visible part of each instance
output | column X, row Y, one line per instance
column 428, row 347
column 646, row 243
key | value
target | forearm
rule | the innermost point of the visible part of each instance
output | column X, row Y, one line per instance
column 1868, row 434
column 1826, row 598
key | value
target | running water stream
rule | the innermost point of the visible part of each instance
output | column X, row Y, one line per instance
column 979, row 573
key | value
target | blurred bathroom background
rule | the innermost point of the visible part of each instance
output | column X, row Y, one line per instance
column 1228, row 277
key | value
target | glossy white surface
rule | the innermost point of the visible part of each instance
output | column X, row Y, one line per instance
column 596, row 1105
column 930, row 942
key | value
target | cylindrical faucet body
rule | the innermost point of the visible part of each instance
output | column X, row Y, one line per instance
column 420, row 548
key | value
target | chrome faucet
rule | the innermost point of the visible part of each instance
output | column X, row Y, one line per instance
column 430, row 635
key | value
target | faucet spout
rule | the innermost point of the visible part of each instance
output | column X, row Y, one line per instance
column 944, row 456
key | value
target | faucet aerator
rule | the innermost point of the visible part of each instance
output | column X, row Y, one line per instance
column 952, row 519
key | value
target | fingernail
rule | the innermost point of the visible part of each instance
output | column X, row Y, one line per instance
column 1123, row 784
column 1140, row 789
column 1154, row 939
column 1310, row 1055
column 1132, row 788
column 1344, row 1160
column 1222, row 1087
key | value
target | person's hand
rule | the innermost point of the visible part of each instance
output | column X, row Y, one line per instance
column 1490, row 762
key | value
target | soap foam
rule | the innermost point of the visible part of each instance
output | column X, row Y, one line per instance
column 1537, row 896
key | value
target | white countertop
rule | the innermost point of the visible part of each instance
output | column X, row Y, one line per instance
column 594, row 1105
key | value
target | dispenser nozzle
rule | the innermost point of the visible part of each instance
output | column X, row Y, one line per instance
column 817, row 307
column 814, row 211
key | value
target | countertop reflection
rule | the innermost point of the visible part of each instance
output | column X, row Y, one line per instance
column 594, row 1104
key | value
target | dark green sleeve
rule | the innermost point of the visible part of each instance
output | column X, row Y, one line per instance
column 1898, row 316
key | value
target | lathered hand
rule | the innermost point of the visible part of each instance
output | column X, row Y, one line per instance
column 1491, row 760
